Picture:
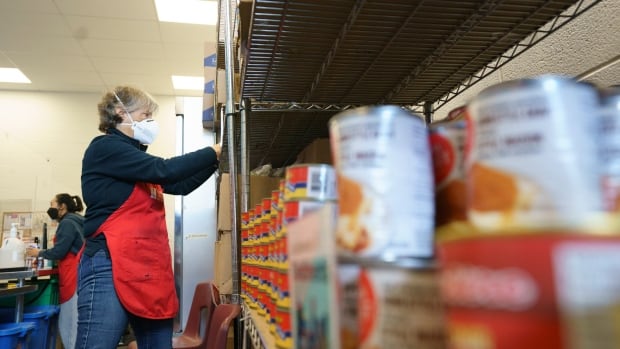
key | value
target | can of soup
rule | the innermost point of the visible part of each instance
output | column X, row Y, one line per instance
column 447, row 141
column 310, row 181
column 399, row 305
column 533, row 161
column 384, row 179
column 610, row 147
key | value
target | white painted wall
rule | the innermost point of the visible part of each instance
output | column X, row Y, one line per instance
column 42, row 140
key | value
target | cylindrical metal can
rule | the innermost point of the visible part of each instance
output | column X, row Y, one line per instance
column 310, row 181
column 610, row 147
column 447, row 142
column 385, row 185
column 533, row 161
column 399, row 305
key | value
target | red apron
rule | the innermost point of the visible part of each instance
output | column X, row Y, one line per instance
column 137, row 239
column 68, row 275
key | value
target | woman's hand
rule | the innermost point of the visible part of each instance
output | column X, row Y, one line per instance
column 218, row 149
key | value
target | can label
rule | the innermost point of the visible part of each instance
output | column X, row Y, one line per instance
column 448, row 147
column 275, row 197
column 348, row 285
column 400, row 308
column 610, row 151
column 310, row 182
column 293, row 210
column 587, row 288
column 385, row 184
column 532, row 154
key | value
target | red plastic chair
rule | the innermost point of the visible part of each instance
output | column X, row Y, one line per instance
column 196, row 329
column 220, row 324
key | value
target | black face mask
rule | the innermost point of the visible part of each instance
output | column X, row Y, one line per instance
column 53, row 213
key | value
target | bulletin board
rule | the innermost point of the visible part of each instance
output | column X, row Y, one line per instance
column 30, row 224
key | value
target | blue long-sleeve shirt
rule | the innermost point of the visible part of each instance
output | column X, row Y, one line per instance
column 68, row 237
column 114, row 163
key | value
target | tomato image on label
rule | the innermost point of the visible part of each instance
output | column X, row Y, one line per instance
column 367, row 307
column 443, row 157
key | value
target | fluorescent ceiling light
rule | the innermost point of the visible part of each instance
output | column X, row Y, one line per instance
column 188, row 82
column 13, row 75
column 187, row 11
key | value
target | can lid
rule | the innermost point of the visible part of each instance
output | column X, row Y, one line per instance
column 517, row 84
column 374, row 111
column 400, row 263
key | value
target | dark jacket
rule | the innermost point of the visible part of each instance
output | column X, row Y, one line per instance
column 69, row 237
column 114, row 163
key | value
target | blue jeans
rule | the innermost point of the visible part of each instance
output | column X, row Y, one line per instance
column 102, row 319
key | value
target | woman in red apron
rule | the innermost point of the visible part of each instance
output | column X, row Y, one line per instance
column 125, row 272
column 68, row 242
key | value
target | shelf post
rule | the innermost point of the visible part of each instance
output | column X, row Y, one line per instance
column 428, row 112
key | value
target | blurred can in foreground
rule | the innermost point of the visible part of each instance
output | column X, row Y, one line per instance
column 554, row 291
column 532, row 160
column 384, row 179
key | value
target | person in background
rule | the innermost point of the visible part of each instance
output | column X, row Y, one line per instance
column 68, row 242
column 125, row 273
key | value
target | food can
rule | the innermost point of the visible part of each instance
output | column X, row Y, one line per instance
column 266, row 208
column 532, row 161
column 310, row 181
column 275, row 197
column 610, row 147
column 293, row 210
column 384, row 180
column 554, row 290
column 348, row 305
column 447, row 141
column 399, row 305
column 458, row 113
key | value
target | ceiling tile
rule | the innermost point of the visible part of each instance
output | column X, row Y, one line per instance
column 154, row 84
column 122, row 49
column 117, row 29
column 134, row 9
column 32, row 23
column 180, row 32
column 9, row 6
column 5, row 61
column 40, row 45
column 66, row 63
column 125, row 65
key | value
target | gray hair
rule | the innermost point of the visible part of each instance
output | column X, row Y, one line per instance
column 122, row 96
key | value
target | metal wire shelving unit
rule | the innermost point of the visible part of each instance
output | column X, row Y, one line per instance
column 302, row 61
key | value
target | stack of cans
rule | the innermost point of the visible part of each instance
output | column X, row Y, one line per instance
column 385, row 231
column 307, row 188
column 528, row 226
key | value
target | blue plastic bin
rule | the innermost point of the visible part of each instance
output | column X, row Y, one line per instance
column 14, row 334
column 45, row 321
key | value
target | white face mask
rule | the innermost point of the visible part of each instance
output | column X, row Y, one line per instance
column 145, row 131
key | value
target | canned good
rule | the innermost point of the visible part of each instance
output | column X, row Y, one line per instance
column 400, row 307
column 384, row 180
column 310, row 181
column 275, row 197
column 533, row 161
column 458, row 113
column 447, row 141
column 266, row 208
column 554, row 290
column 293, row 210
column 610, row 147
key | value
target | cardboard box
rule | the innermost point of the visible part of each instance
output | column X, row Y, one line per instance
column 317, row 152
column 222, row 263
column 260, row 187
